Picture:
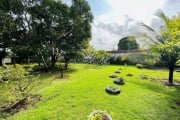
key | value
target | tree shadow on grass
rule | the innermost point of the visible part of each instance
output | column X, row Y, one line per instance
column 93, row 66
column 171, row 92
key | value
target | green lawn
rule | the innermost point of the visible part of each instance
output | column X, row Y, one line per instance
column 83, row 91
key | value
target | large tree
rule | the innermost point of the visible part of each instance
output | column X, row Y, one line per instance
column 128, row 43
column 167, row 42
column 81, row 17
column 9, row 25
column 45, row 28
column 51, row 24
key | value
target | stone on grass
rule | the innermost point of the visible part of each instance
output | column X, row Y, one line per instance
column 112, row 90
column 113, row 76
column 119, row 81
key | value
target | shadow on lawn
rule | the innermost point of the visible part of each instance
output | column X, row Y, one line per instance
column 93, row 66
column 171, row 92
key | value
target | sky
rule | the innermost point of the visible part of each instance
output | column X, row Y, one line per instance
column 115, row 19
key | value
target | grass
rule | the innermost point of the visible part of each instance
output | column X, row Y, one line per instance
column 83, row 91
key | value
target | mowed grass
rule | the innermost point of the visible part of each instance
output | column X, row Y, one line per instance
column 83, row 90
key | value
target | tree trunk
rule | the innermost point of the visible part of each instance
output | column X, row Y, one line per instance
column 1, row 61
column 61, row 71
column 66, row 65
column 2, row 56
column 171, row 71
column 62, row 75
column 14, row 60
column 28, row 59
column 53, row 61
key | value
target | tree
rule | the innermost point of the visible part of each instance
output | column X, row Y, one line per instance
column 78, row 40
column 47, row 29
column 50, row 25
column 167, row 42
column 23, row 46
column 9, row 14
column 128, row 43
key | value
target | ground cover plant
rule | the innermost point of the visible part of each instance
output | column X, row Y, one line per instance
column 83, row 91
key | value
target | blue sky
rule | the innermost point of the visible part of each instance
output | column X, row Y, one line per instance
column 99, row 7
column 114, row 19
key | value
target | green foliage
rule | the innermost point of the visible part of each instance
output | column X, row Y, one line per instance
column 119, row 60
column 128, row 43
column 96, row 56
column 44, row 29
column 178, row 62
column 139, row 66
column 19, row 81
column 167, row 43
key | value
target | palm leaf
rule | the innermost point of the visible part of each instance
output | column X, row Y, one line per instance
column 148, row 27
column 162, row 16
column 154, row 41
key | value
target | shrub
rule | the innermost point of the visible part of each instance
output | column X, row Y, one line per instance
column 140, row 66
column 135, row 58
column 124, row 60
column 129, row 74
column 113, row 76
column 117, row 72
column 144, row 77
column 21, row 82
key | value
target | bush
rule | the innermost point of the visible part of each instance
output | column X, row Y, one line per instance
column 119, row 60
column 138, row 58
column 117, row 72
column 129, row 74
column 140, row 66
column 21, row 82
column 113, row 76
column 144, row 77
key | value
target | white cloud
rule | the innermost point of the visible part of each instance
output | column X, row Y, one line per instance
column 106, row 34
column 122, row 20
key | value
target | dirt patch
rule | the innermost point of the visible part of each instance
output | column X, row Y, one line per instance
column 177, row 103
column 64, row 77
column 10, row 108
column 165, row 82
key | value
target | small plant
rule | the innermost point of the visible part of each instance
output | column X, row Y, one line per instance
column 139, row 66
column 144, row 77
column 117, row 72
column 20, row 85
column 21, row 80
column 113, row 76
column 129, row 74
column 99, row 115
column 120, row 69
